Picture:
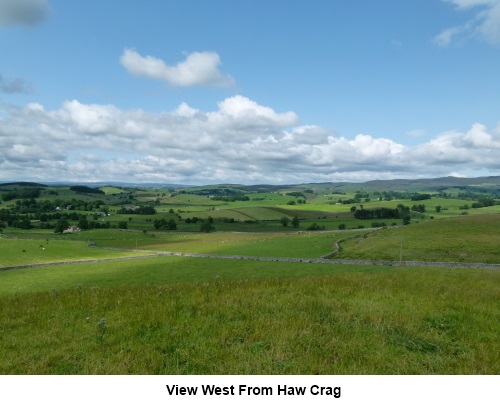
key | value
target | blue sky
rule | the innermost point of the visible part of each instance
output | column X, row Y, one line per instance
column 199, row 92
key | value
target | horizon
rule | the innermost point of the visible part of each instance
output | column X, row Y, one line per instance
column 124, row 183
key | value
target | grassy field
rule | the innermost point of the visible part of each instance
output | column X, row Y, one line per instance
column 194, row 316
column 304, row 244
column 16, row 252
column 458, row 239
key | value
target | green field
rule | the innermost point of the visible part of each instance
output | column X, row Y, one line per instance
column 77, row 312
column 195, row 316
column 457, row 239
column 17, row 252
column 304, row 244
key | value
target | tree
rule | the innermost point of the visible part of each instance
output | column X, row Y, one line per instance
column 207, row 227
column 438, row 208
column 83, row 223
column 341, row 226
column 295, row 222
column 284, row 221
column 159, row 223
column 61, row 225
column 122, row 225
column 316, row 227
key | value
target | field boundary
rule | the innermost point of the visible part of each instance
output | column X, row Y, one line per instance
column 154, row 254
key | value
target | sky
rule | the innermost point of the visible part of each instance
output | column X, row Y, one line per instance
column 248, row 91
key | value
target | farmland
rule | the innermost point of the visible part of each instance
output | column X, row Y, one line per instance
column 104, row 299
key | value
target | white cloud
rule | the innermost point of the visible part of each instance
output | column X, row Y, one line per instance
column 22, row 12
column 240, row 141
column 198, row 69
column 485, row 23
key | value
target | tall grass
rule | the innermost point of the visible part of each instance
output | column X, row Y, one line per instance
column 459, row 239
column 396, row 321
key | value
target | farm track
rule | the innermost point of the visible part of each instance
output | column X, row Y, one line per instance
column 324, row 260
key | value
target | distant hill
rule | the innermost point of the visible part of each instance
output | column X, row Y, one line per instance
column 22, row 184
column 479, row 184
column 441, row 183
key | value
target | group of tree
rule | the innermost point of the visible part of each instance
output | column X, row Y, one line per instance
column 418, row 208
column 144, row 210
column 285, row 221
column 30, row 205
column 296, row 194
column 86, row 190
column 400, row 212
column 231, row 198
column 420, row 197
column 390, row 195
column 22, row 193
column 208, row 225
column 193, row 220
column 316, row 227
column 170, row 225
column 484, row 202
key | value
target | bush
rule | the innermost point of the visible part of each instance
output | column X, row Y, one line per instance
column 122, row 225
column 316, row 227
column 207, row 227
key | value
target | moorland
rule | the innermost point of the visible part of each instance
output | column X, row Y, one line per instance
column 383, row 277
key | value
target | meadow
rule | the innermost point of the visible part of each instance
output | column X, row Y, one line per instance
column 189, row 315
column 18, row 252
column 457, row 239
column 195, row 316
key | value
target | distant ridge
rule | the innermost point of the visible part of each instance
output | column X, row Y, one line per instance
column 440, row 182
column 23, row 184
column 485, row 182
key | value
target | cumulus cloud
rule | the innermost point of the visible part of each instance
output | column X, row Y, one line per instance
column 22, row 12
column 240, row 141
column 484, row 24
column 198, row 69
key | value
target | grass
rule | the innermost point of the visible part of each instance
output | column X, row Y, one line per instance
column 297, row 245
column 16, row 252
column 458, row 239
column 153, row 271
column 350, row 320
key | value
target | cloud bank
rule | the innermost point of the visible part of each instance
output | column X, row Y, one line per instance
column 241, row 141
column 485, row 23
column 198, row 69
column 22, row 12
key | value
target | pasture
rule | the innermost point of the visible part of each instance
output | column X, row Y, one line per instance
column 457, row 239
column 205, row 316
column 18, row 252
